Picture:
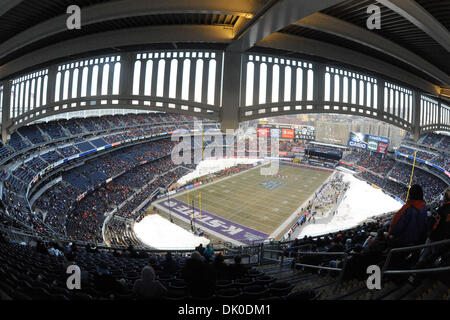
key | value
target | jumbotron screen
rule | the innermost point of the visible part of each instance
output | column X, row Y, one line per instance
column 305, row 133
column 286, row 131
column 368, row 142
column 275, row 131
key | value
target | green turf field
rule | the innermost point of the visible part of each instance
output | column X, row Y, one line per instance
column 243, row 199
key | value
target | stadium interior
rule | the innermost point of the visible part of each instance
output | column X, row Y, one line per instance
column 268, row 150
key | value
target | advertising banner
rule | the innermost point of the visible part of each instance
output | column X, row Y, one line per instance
column 368, row 142
column 287, row 133
column 263, row 132
column 275, row 132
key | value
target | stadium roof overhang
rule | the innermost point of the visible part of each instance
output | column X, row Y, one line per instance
column 412, row 45
column 411, row 50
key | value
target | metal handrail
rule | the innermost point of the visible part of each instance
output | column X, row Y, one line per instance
column 319, row 267
column 324, row 267
column 428, row 270
column 412, row 248
column 324, row 253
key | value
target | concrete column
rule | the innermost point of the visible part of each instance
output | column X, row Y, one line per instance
column 380, row 98
column 126, row 75
column 51, row 84
column 416, row 115
column 231, row 94
column 6, row 121
column 319, row 86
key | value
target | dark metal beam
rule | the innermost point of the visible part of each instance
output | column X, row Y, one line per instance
column 278, row 16
column 7, row 5
column 421, row 18
column 343, row 29
column 118, row 38
column 293, row 43
column 122, row 9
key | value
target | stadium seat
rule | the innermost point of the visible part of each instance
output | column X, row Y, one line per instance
column 244, row 282
column 178, row 284
column 280, row 288
column 265, row 280
column 223, row 284
column 302, row 295
column 255, row 292
column 229, row 293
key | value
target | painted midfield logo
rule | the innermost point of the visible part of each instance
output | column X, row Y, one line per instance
column 271, row 185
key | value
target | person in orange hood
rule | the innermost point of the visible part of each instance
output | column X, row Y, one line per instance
column 410, row 224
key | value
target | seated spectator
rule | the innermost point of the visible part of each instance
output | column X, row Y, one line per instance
column 200, row 249
column 169, row 265
column 199, row 276
column 147, row 287
column 409, row 225
column 104, row 281
column 378, row 244
column 91, row 248
column 220, row 267
column 41, row 247
column 208, row 253
column 237, row 270
column 293, row 248
column 53, row 250
column 441, row 229
column 336, row 246
column 132, row 253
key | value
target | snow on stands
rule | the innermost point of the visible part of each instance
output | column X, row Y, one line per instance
column 213, row 165
column 161, row 234
column 361, row 201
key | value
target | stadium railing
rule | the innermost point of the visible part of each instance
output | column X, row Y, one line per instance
column 340, row 270
column 410, row 249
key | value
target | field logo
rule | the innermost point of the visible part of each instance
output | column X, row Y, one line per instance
column 374, row 280
column 188, row 149
column 271, row 185
column 74, row 280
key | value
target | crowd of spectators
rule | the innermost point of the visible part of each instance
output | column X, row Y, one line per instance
column 82, row 218
column 59, row 133
column 431, row 139
column 368, row 243
column 68, row 133
column 427, row 156
column 432, row 185
column 372, row 161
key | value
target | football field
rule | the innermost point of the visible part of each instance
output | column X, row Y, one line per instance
column 251, row 200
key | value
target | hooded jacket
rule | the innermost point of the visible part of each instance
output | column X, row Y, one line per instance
column 441, row 230
column 410, row 223
column 147, row 287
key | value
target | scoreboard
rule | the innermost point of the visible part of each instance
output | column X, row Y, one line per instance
column 286, row 131
column 305, row 133
column 368, row 142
